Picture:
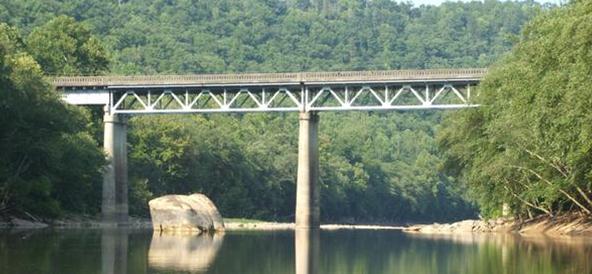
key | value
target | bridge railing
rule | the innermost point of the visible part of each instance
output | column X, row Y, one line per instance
column 394, row 74
column 269, row 78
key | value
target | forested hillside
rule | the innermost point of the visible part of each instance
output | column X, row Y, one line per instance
column 374, row 166
column 182, row 36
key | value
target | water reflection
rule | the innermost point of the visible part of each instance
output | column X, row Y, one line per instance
column 193, row 253
column 307, row 246
column 114, row 244
column 288, row 252
column 511, row 253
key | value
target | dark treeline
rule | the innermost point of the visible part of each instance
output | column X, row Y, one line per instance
column 49, row 158
column 375, row 167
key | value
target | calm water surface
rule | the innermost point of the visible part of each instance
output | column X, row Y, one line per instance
column 302, row 252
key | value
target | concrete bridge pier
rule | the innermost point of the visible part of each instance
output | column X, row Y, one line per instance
column 307, row 189
column 114, row 206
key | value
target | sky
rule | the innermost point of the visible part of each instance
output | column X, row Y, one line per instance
column 437, row 2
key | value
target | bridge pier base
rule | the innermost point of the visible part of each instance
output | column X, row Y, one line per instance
column 114, row 208
column 307, row 189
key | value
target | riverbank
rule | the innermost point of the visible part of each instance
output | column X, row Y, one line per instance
column 69, row 222
column 557, row 226
column 564, row 225
column 231, row 224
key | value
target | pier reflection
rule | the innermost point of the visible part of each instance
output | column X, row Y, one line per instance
column 289, row 252
column 307, row 244
column 191, row 253
column 114, row 249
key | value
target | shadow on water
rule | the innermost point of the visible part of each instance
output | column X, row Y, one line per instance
column 288, row 252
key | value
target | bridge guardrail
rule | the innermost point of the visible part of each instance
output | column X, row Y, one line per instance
column 270, row 78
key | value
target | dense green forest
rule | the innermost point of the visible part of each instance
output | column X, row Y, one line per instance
column 375, row 167
column 49, row 160
column 531, row 144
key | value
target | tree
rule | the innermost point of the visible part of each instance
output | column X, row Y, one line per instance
column 529, row 145
column 48, row 163
column 64, row 47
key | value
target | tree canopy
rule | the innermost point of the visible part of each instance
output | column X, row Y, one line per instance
column 157, row 36
column 49, row 163
column 64, row 47
column 530, row 145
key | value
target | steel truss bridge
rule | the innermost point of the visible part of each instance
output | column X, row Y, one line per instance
column 285, row 92
column 307, row 93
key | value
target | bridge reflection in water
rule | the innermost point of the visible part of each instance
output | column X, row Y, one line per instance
column 196, row 253
column 289, row 252
column 114, row 250
column 307, row 245
column 344, row 252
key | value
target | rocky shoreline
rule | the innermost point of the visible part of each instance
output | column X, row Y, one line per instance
column 69, row 223
column 145, row 223
column 476, row 226
column 557, row 226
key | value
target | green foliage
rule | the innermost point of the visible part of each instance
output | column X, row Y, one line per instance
column 156, row 36
column 382, row 168
column 530, row 145
column 48, row 163
column 241, row 166
column 64, row 47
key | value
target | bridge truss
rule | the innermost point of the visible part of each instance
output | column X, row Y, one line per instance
column 306, row 93
column 286, row 99
column 389, row 90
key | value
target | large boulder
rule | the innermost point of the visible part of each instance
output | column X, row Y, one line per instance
column 185, row 213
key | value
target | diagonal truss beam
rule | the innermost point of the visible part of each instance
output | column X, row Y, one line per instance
column 337, row 97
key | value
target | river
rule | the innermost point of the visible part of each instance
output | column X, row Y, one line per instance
column 279, row 252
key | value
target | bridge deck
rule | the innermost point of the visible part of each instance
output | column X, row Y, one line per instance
column 389, row 76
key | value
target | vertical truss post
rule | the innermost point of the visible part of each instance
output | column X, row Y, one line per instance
column 304, row 97
column 347, row 102
column 427, row 95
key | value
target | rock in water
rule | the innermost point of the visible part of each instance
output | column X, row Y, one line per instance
column 185, row 213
